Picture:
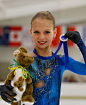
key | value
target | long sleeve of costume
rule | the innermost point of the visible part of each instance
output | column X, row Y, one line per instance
column 76, row 66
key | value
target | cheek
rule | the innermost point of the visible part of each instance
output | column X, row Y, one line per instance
column 34, row 38
column 50, row 39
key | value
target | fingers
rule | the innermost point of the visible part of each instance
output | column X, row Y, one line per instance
column 7, row 93
column 11, row 93
column 74, row 36
column 69, row 34
column 9, row 86
column 7, row 98
column 77, row 32
column 5, row 87
column 9, row 90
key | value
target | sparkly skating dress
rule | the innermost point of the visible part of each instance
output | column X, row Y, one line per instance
column 49, row 93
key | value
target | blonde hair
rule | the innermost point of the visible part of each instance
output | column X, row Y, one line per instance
column 44, row 15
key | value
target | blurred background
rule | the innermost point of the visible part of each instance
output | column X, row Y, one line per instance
column 15, row 21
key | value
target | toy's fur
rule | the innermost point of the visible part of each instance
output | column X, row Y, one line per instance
column 19, row 83
column 22, row 87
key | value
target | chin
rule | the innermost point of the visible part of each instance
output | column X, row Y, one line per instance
column 43, row 47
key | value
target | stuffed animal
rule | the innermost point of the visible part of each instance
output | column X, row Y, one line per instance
column 20, row 78
column 19, row 83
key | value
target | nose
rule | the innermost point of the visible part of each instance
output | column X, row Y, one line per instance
column 41, row 36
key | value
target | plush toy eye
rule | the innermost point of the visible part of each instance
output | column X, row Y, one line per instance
column 23, row 56
column 19, row 83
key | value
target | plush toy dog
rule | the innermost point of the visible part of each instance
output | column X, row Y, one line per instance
column 20, row 78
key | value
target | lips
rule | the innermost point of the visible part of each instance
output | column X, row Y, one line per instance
column 42, row 42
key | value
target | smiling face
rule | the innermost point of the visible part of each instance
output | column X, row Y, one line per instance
column 42, row 32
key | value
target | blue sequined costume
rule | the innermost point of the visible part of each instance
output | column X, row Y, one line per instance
column 49, row 93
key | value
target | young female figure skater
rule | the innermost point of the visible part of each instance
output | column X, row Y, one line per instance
column 47, row 73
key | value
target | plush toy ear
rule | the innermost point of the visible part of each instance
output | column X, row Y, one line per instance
column 16, row 52
column 22, row 49
column 20, row 78
column 23, row 80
